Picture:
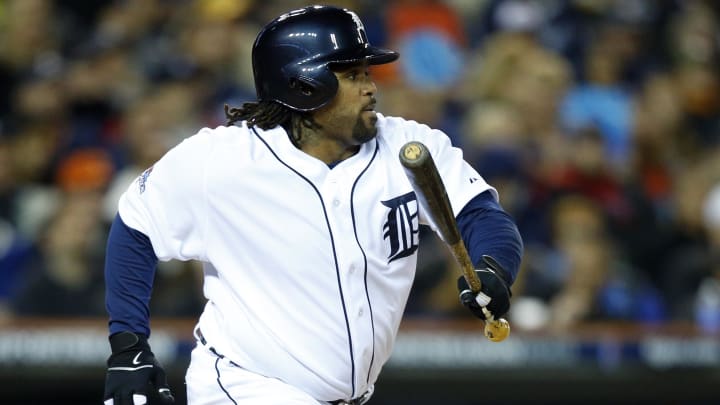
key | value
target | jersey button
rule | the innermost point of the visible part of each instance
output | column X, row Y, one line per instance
column 336, row 202
column 352, row 268
column 360, row 312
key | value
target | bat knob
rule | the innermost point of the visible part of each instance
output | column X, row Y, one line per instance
column 414, row 154
column 497, row 330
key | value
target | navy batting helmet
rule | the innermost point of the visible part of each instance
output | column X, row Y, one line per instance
column 293, row 53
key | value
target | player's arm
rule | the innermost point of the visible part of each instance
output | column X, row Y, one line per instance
column 160, row 218
column 130, row 265
column 495, row 247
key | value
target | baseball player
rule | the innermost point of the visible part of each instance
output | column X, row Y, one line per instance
column 306, row 225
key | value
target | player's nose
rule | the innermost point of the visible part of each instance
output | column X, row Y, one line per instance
column 369, row 87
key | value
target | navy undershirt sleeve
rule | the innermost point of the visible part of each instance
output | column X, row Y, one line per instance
column 487, row 229
column 130, row 264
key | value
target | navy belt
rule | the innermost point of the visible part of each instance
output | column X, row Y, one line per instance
column 201, row 338
column 355, row 401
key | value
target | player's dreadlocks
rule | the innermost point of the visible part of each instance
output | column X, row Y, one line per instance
column 268, row 115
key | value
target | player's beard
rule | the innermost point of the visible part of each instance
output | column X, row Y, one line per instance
column 364, row 129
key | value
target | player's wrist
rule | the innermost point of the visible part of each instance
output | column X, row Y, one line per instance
column 126, row 340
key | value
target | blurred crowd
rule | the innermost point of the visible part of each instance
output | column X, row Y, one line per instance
column 597, row 120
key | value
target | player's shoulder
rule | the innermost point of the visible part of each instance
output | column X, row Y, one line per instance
column 398, row 131
column 222, row 134
column 208, row 138
column 390, row 123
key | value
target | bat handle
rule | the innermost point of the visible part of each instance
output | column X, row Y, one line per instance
column 496, row 330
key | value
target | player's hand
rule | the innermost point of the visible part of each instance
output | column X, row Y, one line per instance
column 134, row 376
column 494, row 295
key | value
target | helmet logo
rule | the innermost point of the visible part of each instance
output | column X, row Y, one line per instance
column 362, row 37
column 291, row 14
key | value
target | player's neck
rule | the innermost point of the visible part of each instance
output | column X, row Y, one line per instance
column 328, row 150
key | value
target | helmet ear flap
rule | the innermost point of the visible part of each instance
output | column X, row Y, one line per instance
column 303, row 87
column 310, row 91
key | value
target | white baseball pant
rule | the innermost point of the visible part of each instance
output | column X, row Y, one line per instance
column 213, row 380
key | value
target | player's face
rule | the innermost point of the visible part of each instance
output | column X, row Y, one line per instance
column 350, row 117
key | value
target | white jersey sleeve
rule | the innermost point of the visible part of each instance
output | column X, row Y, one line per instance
column 460, row 179
column 167, row 202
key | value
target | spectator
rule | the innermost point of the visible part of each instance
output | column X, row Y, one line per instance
column 582, row 276
column 601, row 100
column 64, row 280
column 683, row 254
column 707, row 302
column 615, row 103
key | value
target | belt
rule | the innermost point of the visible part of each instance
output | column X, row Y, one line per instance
column 201, row 338
column 355, row 401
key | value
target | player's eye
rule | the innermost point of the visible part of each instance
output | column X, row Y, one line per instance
column 356, row 74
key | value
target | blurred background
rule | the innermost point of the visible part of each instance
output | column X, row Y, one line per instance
column 597, row 120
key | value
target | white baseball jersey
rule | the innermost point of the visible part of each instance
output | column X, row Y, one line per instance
column 307, row 269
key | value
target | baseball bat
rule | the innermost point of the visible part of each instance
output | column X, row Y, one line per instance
column 423, row 175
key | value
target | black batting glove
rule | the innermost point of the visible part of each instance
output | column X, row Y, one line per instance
column 494, row 288
column 134, row 376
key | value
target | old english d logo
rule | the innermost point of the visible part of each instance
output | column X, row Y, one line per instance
column 401, row 228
